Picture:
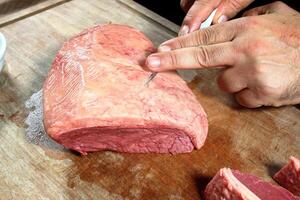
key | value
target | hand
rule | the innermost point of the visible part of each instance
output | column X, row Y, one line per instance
column 260, row 55
column 199, row 10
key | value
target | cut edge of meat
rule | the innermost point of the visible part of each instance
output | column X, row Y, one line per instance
column 289, row 176
column 83, row 124
column 172, row 130
column 129, row 140
column 225, row 185
column 232, row 184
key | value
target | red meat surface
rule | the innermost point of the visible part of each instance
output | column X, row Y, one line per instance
column 233, row 185
column 95, row 97
column 289, row 176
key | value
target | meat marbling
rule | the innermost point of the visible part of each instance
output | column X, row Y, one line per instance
column 95, row 97
column 230, row 184
column 289, row 176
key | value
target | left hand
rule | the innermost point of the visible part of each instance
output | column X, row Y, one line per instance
column 199, row 10
column 260, row 55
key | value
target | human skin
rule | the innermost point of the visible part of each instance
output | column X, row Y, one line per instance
column 260, row 54
column 199, row 10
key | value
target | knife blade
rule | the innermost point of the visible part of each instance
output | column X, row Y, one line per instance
column 151, row 77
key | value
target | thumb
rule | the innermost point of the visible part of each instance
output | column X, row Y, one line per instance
column 230, row 8
column 248, row 99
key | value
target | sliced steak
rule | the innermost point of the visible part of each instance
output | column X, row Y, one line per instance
column 289, row 176
column 234, row 185
column 95, row 97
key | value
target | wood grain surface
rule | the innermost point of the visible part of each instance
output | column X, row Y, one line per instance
column 257, row 141
column 13, row 10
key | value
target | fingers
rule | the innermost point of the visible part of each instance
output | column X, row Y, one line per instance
column 216, row 34
column 201, row 9
column 232, row 81
column 230, row 8
column 198, row 13
column 194, row 57
column 248, row 99
column 278, row 7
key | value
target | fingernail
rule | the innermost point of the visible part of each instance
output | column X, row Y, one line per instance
column 153, row 62
column 222, row 19
column 164, row 48
column 184, row 30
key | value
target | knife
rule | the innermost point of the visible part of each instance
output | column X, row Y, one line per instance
column 151, row 77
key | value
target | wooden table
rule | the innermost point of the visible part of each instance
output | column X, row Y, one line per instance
column 14, row 10
column 257, row 141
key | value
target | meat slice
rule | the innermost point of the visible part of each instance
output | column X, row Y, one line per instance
column 289, row 176
column 234, row 185
column 95, row 97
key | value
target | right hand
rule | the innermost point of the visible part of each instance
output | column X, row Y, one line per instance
column 260, row 55
column 199, row 10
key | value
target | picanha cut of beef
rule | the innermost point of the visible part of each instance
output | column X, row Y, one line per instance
column 289, row 176
column 230, row 184
column 95, row 97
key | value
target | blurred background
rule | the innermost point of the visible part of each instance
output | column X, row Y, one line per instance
column 171, row 10
column 9, row 6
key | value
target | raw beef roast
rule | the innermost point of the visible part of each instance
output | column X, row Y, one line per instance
column 95, row 97
column 233, row 185
column 289, row 176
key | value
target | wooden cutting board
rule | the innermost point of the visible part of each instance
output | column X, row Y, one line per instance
column 14, row 10
column 257, row 141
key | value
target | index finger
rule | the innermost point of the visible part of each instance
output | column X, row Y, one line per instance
column 215, row 55
column 219, row 33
